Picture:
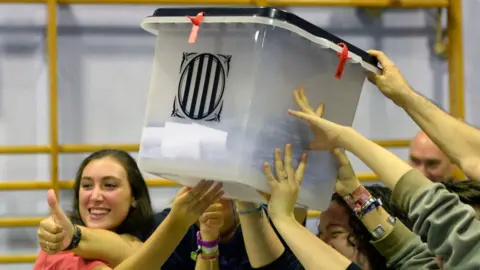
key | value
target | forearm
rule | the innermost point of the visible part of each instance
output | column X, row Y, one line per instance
column 211, row 264
column 374, row 218
column 377, row 217
column 261, row 242
column 396, row 237
column 384, row 163
column 401, row 248
column 103, row 245
column 459, row 141
column 158, row 247
column 208, row 258
column 404, row 250
column 312, row 252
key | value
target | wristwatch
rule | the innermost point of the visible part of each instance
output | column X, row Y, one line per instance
column 76, row 237
column 379, row 231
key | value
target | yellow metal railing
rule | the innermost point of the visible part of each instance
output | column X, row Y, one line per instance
column 456, row 94
column 331, row 3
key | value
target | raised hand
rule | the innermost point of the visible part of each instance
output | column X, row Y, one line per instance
column 286, row 186
column 391, row 81
column 347, row 181
column 299, row 96
column 211, row 221
column 191, row 203
column 327, row 134
column 56, row 231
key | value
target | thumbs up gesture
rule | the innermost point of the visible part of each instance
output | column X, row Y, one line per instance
column 56, row 231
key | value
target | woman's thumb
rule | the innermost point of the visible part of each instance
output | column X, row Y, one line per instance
column 56, row 212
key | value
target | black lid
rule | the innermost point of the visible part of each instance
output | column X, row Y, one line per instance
column 266, row 12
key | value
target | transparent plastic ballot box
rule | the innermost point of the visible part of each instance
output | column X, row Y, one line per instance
column 217, row 103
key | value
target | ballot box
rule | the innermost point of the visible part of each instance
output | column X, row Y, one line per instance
column 221, row 84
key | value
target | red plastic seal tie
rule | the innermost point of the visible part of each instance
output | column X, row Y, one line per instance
column 342, row 61
column 196, row 21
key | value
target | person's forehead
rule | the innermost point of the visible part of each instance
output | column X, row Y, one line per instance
column 426, row 157
column 335, row 214
column 105, row 167
column 428, row 152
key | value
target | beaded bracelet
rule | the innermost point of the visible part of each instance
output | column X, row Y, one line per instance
column 207, row 244
column 361, row 201
column 205, row 247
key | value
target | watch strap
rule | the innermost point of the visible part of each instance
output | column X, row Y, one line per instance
column 76, row 237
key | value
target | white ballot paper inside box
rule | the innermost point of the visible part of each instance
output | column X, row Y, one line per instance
column 221, row 85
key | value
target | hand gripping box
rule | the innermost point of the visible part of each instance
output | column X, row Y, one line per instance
column 221, row 85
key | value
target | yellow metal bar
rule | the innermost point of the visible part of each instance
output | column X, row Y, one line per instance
column 22, row 258
column 332, row 3
column 53, row 90
column 25, row 185
column 24, row 149
column 68, row 184
column 393, row 143
column 150, row 182
column 159, row 182
column 87, row 148
column 336, row 3
column 22, row 1
column 313, row 214
column 367, row 177
column 20, row 221
column 455, row 59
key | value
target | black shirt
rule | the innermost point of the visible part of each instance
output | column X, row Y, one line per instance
column 232, row 256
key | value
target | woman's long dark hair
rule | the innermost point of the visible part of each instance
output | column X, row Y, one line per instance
column 140, row 218
column 362, row 235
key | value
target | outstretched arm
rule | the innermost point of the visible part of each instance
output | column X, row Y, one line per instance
column 312, row 252
column 459, row 141
column 106, row 246
column 187, row 208
column 261, row 242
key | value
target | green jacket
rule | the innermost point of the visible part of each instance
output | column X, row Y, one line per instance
column 450, row 227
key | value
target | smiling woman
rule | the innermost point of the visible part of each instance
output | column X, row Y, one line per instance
column 111, row 203
column 110, row 193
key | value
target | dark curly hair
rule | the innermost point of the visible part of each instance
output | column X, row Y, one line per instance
column 139, row 219
column 362, row 235
column 468, row 191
